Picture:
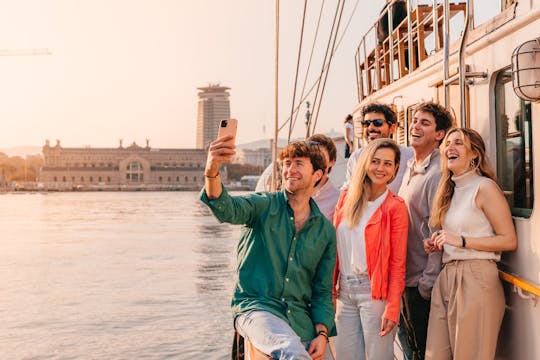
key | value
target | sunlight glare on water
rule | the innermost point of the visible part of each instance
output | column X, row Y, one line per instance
column 104, row 275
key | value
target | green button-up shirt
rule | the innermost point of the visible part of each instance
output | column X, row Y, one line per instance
column 284, row 272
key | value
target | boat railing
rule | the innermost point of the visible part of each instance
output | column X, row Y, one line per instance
column 388, row 52
column 525, row 289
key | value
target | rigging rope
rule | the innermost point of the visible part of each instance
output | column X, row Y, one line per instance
column 319, row 78
column 297, row 67
column 328, row 71
column 340, row 2
column 293, row 122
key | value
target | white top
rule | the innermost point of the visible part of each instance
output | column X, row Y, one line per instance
column 465, row 218
column 351, row 242
column 349, row 126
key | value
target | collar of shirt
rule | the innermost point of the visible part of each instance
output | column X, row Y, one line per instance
column 411, row 164
column 315, row 211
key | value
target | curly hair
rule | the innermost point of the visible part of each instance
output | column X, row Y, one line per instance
column 375, row 107
column 443, row 118
column 307, row 149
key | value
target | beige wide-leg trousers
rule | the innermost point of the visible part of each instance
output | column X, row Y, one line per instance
column 467, row 308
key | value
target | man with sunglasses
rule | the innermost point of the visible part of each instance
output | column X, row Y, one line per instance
column 282, row 301
column 379, row 121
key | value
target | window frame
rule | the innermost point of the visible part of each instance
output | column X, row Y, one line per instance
column 525, row 127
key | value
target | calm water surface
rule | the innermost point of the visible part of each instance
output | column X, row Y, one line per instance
column 102, row 275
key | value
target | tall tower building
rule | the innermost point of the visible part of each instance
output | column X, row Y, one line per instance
column 213, row 106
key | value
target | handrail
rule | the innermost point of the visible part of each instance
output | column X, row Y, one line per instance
column 520, row 283
column 376, row 68
column 462, row 70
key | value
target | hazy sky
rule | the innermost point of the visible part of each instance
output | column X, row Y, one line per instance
column 130, row 68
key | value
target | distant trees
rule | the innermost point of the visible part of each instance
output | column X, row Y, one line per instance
column 16, row 168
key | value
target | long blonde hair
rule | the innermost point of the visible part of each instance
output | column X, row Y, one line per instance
column 475, row 145
column 360, row 187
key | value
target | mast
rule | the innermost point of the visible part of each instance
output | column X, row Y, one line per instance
column 273, row 183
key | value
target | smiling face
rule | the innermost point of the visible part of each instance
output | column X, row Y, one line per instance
column 457, row 154
column 372, row 131
column 298, row 174
column 423, row 134
column 382, row 168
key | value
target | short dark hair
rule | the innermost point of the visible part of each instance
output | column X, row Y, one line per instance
column 306, row 149
column 327, row 143
column 389, row 114
column 443, row 118
column 348, row 118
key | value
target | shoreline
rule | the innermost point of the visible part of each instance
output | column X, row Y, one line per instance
column 115, row 188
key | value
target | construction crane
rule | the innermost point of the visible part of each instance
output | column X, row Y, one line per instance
column 25, row 52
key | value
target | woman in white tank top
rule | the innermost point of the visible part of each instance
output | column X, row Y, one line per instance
column 476, row 226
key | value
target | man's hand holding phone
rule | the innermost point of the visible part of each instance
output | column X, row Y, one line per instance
column 222, row 149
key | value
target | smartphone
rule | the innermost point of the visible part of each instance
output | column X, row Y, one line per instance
column 228, row 127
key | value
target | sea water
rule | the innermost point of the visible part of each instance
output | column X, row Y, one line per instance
column 114, row 275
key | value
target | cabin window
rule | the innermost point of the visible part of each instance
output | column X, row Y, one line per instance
column 514, row 146
column 401, row 132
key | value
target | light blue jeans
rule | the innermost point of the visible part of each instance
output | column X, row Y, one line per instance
column 358, row 322
column 272, row 335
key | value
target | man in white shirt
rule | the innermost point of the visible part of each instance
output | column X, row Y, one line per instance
column 379, row 121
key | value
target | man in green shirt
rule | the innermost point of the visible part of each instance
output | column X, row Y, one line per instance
column 282, row 301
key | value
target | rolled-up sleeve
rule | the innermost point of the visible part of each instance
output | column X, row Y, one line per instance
column 234, row 209
column 399, row 222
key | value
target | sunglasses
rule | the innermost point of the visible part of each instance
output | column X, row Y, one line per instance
column 376, row 122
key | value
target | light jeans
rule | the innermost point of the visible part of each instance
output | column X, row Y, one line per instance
column 358, row 322
column 273, row 336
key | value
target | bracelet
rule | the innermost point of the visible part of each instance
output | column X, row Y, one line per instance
column 323, row 333
column 211, row 177
column 463, row 242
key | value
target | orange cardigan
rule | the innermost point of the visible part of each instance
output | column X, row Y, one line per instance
column 386, row 251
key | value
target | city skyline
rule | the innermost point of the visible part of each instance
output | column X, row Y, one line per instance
column 131, row 69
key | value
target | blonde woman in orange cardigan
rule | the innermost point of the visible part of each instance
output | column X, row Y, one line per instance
column 371, row 224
